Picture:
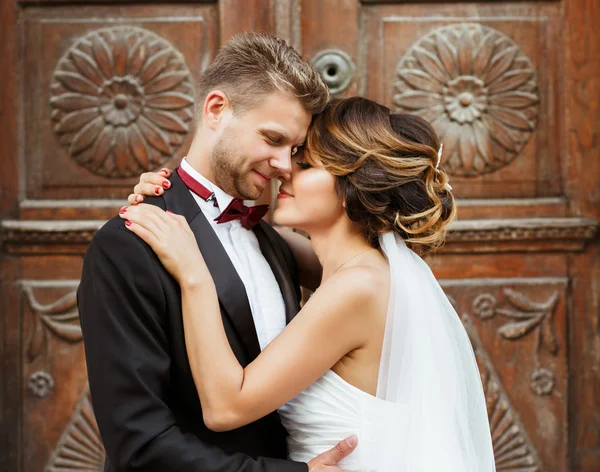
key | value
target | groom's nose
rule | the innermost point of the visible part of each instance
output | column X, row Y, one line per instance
column 281, row 161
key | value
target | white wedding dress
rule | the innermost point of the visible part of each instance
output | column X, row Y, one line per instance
column 429, row 414
column 330, row 410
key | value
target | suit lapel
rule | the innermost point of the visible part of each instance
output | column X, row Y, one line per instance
column 230, row 288
column 279, row 268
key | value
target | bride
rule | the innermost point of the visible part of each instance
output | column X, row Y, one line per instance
column 378, row 350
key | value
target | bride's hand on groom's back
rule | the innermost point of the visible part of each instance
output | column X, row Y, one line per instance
column 328, row 461
column 150, row 184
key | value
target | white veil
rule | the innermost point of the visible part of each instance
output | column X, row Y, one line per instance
column 428, row 365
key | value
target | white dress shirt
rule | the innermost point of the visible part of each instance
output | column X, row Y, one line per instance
column 241, row 245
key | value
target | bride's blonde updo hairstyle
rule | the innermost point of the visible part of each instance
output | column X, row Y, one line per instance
column 385, row 168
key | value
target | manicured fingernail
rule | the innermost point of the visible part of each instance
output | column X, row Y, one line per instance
column 164, row 172
column 170, row 212
column 157, row 190
column 128, row 223
column 166, row 184
column 352, row 440
column 138, row 198
column 122, row 210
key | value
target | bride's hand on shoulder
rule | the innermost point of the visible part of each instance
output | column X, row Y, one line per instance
column 150, row 184
column 171, row 238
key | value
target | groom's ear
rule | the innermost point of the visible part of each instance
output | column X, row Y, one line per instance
column 216, row 105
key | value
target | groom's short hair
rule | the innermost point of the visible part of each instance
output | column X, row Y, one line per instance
column 252, row 65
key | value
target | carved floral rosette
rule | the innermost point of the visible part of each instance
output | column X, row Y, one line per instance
column 122, row 100
column 478, row 90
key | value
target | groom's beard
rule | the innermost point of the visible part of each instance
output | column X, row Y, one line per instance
column 229, row 170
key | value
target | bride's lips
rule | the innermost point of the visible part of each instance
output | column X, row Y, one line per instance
column 284, row 194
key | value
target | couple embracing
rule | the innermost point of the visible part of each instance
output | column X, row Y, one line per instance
column 199, row 355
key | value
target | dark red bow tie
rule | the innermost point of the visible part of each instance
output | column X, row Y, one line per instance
column 248, row 216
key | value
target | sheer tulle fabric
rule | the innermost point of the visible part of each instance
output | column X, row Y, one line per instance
column 429, row 414
column 428, row 365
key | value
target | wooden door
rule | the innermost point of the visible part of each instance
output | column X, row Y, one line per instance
column 511, row 88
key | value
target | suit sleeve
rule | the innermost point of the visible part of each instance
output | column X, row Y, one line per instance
column 121, row 306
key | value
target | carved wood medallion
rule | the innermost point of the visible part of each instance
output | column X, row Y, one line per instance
column 122, row 100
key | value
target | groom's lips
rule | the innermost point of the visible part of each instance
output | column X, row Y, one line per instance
column 263, row 177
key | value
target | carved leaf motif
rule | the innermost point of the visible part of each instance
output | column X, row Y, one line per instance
column 121, row 55
column 517, row 315
column 166, row 81
column 153, row 135
column 138, row 147
column 122, row 101
column 73, row 101
column 514, row 99
column 465, row 52
column 520, row 328
column 482, row 138
column 76, row 83
column 154, row 66
column 170, row 101
column 64, row 328
column 103, row 147
column 416, row 100
column 121, row 150
column 76, row 120
column 520, row 301
column 166, row 120
column 499, row 134
column 431, row 64
column 447, row 54
column 103, row 56
column 139, row 55
column 85, row 65
column 500, row 63
column 511, row 118
column 86, row 136
column 484, row 54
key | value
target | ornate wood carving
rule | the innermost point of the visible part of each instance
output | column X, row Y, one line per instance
column 59, row 319
column 525, row 316
column 80, row 446
column 513, row 450
column 479, row 91
column 122, row 100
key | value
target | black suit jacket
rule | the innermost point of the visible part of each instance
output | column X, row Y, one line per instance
column 144, row 398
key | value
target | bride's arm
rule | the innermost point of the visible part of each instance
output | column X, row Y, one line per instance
column 328, row 327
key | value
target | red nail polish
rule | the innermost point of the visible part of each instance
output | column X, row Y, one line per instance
column 170, row 212
column 166, row 184
column 157, row 190
column 128, row 223
column 163, row 172
column 122, row 210
column 138, row 198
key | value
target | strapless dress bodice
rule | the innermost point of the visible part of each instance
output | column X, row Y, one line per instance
column 332, row 409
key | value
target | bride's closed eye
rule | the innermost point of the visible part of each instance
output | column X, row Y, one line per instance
column 303, row 165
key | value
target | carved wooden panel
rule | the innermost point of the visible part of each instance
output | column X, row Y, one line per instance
column 518, row 330
column 486, row 78
column 109, row 94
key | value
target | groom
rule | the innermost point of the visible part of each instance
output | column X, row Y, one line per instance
column 254, row 105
